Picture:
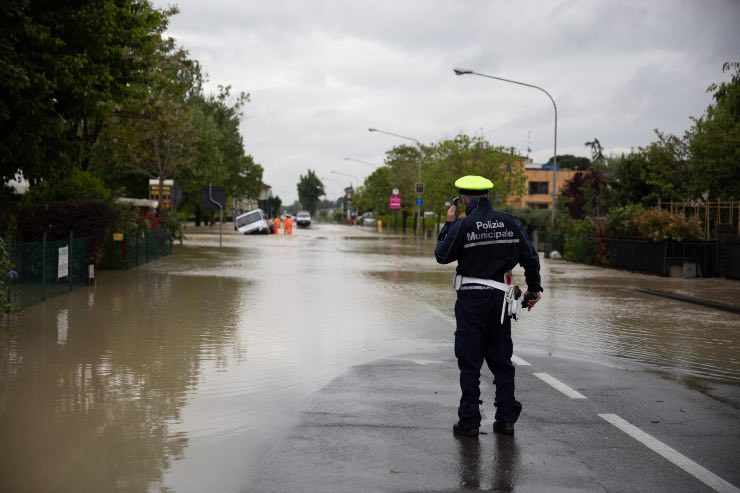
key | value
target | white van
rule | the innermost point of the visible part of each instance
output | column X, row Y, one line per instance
column 252, row 222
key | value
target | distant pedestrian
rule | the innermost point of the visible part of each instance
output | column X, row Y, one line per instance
column 276, row 225
column 486, row 244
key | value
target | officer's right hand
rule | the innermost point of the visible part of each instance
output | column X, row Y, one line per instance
column 532, row 301
column 452, row 214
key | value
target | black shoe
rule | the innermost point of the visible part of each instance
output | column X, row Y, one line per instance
column 503, row 428
column 467, row 432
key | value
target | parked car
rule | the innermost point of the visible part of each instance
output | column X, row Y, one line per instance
column 252, row 222
column 303, row 219
column 368, row 219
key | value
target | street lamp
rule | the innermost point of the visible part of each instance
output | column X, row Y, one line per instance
column 418, row 143
column 341, row 185
column 462, row 71
column 358, row 161
column 345, row 174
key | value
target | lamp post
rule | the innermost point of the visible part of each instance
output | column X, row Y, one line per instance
column 418, row 143
column 363, row 162
column 461, row 71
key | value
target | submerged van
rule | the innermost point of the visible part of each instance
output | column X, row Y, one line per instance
column 252, row 222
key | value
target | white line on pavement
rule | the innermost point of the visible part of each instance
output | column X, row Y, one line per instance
column 573, row 394
column 518, row 361
column 691, row 467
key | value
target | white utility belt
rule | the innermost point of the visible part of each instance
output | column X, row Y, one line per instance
column 511, row 305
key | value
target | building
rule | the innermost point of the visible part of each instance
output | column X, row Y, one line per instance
column 538, row 186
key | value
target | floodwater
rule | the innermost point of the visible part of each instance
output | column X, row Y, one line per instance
column 178, row 375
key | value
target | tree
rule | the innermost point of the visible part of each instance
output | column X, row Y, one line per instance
column 569, row 161
column 582, row 194
column 597, row 150
column 275, row 203
column 310, row 189
column 658, row 172
column 714, row 141
column 156, row 136
column 63, row 68
column 374, row 193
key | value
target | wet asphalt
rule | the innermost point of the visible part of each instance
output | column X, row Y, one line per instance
column 324, row 362
column 387, row 426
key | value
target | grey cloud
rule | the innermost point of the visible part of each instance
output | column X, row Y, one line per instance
column 321, row 72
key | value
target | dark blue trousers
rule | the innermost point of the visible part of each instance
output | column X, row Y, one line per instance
column 481, row 336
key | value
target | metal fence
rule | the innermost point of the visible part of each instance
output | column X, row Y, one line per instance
column 47, row 268
column 711, row 215
column 657, row 257
column 136, row 248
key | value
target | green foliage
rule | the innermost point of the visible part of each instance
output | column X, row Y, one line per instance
column 714, row 142
column 80, row 185
column 659, row 172
column 83, row 218
column 124, row 217
column 310, row 189
column 63, row 66
column 569, row 161
column 275, row 204
column 440, row 164
column 531, row 219
column 6, row 277
column 173, row 226
column 579, row 242
column 621, row 221
column 660, row 225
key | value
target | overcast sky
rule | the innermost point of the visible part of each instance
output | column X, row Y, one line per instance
column 321, row 72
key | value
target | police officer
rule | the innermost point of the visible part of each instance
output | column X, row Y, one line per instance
column 486, row 244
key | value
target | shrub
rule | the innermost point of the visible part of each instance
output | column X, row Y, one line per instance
column 80, row 185
column 123, row 217
column 579, row 242
column 85, row 218
column 659, row 225
column 6, row 277
column 621, row 220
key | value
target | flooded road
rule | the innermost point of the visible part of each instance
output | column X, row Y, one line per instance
column 179, row 375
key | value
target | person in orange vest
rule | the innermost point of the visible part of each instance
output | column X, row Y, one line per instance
column 276, row 225
column 288, row 226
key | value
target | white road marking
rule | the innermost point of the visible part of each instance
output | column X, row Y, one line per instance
column 518, row 361
column 573, row 394
column 691, row 467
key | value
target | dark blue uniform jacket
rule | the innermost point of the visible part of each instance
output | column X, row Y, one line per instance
column 487, row 244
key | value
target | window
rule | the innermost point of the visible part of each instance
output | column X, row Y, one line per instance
column 537, row 205
column 538, row 187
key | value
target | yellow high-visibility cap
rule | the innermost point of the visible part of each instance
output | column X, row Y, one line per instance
column 473, row 185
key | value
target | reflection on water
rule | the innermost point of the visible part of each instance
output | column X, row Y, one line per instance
column 598, row 311
column 488, row 464
column 91, row 382
column 180, row 374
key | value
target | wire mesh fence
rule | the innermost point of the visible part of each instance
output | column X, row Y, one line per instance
column 47, row 268
column 136, row 248
column 41, row 270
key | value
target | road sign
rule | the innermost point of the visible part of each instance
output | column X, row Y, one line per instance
column 395, row 191
column 419, row 201
column 419, row 188
column 395, row 203
column 168, row 194
column 218, row 194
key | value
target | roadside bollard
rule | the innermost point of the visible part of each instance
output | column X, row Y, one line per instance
column 379, row 225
